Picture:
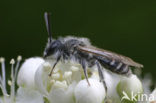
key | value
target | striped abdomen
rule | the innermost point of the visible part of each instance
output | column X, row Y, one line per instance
column 114, row 66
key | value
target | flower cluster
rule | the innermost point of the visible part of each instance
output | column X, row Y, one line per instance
column 67, row 84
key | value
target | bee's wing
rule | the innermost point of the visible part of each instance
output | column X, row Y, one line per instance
column 110, row 55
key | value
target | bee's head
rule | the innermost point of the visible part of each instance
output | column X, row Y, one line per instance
column 53, row 48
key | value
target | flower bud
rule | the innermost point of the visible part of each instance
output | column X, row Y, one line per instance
column 130, row 88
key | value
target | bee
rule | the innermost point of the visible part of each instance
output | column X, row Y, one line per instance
column 81, row 51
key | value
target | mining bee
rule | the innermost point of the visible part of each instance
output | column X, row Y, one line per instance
column 81, row 51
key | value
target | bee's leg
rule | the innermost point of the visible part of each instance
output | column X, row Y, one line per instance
column 58, row 59
column 85, row 70
column 101, row 75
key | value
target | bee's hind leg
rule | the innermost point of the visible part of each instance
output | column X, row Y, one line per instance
column 101, row 75
column 83, row 63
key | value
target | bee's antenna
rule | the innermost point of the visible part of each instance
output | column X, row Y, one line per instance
column 48, row 25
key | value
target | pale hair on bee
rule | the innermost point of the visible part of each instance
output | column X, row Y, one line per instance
column 81, row 51
column 82, row 39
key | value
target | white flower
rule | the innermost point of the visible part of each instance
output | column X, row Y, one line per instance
column 66, row 84
column 95, row 93
column 59, row 88
column 27, row 72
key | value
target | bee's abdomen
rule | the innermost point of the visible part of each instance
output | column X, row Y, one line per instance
column 115, row 66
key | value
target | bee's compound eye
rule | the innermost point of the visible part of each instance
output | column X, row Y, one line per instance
column 52, row 48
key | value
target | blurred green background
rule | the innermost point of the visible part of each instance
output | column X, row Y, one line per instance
column 127, row 27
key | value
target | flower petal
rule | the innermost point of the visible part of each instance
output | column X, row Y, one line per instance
column 42, row 79
column 27, row 95
column 62, row 94
column 95, row 93
column 27, row 72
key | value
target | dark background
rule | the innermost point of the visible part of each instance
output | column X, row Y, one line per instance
column 123, row 26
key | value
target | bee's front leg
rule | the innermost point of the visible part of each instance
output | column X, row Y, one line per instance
column 57, row 60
